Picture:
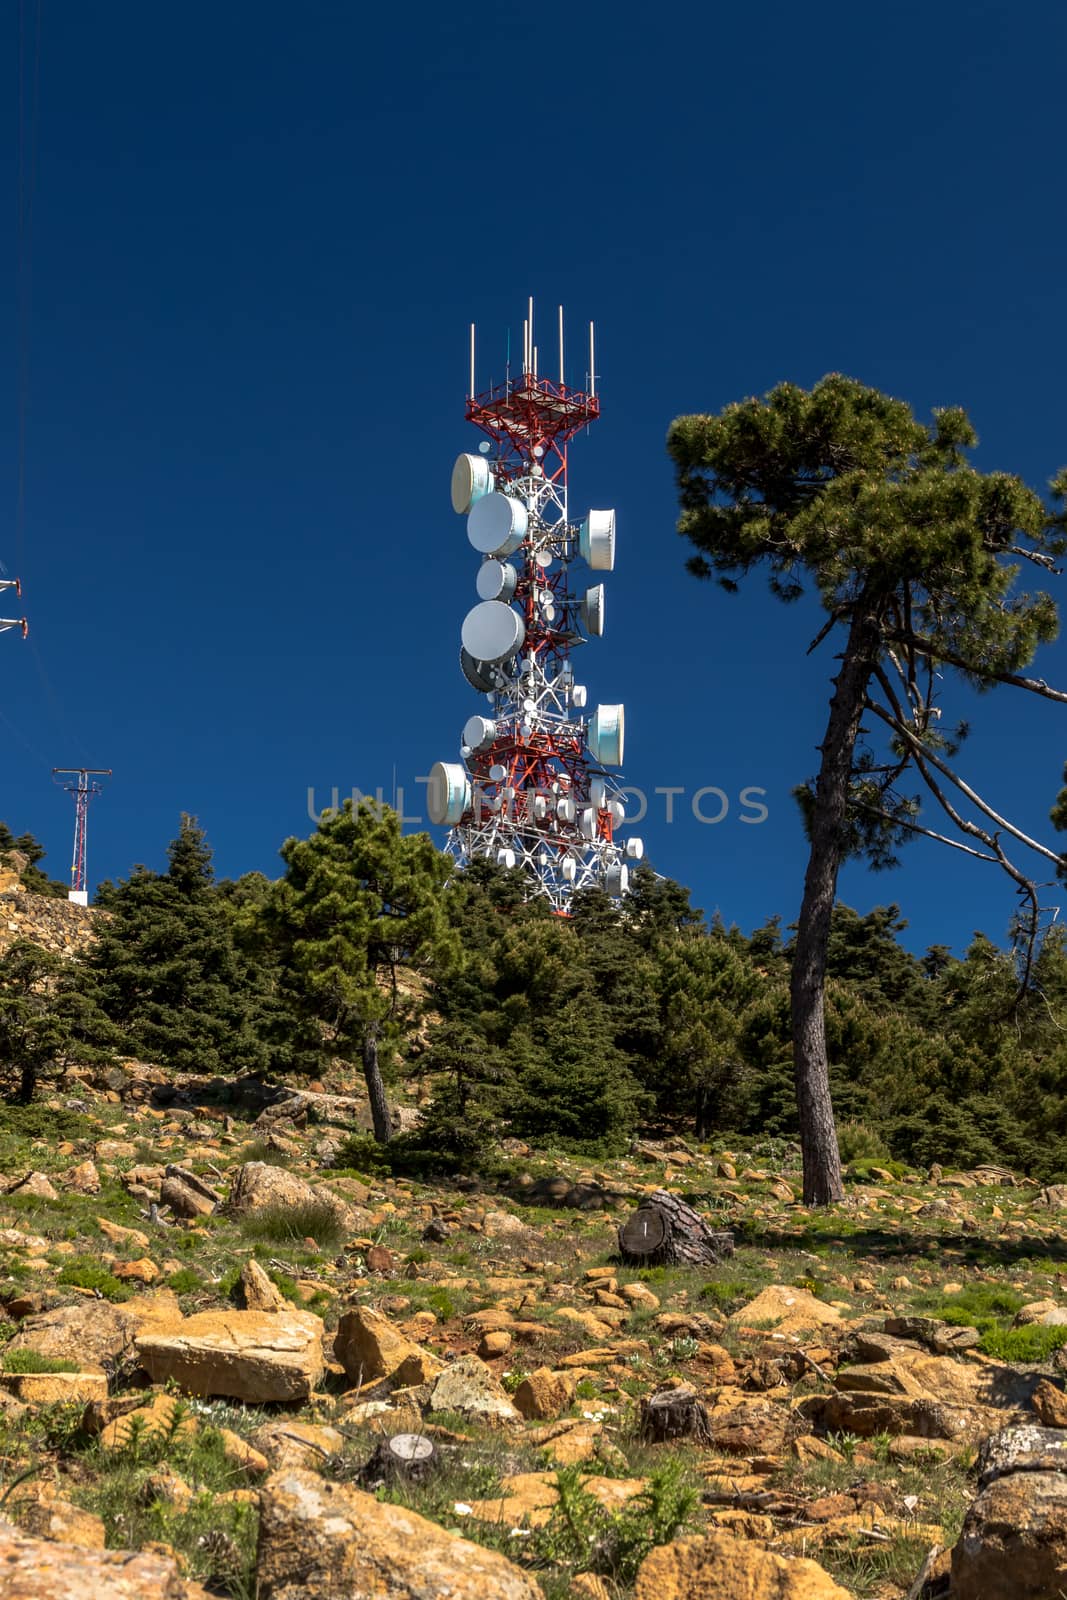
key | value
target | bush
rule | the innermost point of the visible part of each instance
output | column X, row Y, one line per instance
column 1034, row 1342
column 83, row 1272
column 857, row 1142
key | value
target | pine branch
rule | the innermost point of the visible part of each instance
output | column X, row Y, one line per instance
column 928, row 833
column 938, row 652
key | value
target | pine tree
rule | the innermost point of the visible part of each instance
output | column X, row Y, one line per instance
column 360, row 904
column 168, row 969
column 48, row 1015
column 913, row 554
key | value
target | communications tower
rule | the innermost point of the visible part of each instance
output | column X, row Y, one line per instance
column 537, row 787
column 13, row 622
column 83, row 789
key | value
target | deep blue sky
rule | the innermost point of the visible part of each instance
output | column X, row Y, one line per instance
column 259, row 236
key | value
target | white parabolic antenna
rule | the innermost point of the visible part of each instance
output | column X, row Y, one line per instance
column 472, row 479
column 492, row 631
column 479, row 732
column 496, row 580
column 593, row 610
column 596, row 540
column 448, row 793
column 606, row 735
column 497, row 524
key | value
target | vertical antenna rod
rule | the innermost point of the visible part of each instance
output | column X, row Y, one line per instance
column 83, row 792
column 470, row 391
column 561, row 377
column 592, row 363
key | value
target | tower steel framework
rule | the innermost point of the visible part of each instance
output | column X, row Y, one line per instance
column 13, row 622
column 83, row 790
column 538, row 784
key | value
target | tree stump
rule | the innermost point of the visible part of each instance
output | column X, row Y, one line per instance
column 672, row 1414
column 666, row 1230
column 407, row 1456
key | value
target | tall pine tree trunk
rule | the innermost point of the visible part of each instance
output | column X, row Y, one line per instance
column 372, row 1072
column 818, row 1136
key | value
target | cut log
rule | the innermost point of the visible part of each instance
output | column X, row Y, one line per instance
column 666, row 1230
column 672, row 1414
column 407, row 1456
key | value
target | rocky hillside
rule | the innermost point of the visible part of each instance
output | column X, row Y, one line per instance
column 233, row 1364
column 55, row 925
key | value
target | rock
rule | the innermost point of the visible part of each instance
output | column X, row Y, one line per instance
column 943, row 1338
column 368, row 1346
column 122, row 1236
column 55, row 1388
column 639, row 1294
column 721, row 1567
column 544, row 1395
column 785, row 1310
column 156, row 1421
column 64, row 1523
column 1013, row 1544
column 752, row 1430
column 319, row 1539
column 37, row 1569
column 166, row 1487
column 496, row 1342
column 1050, row 1403
column 260, row 1187
column 184, row 1200
column 256, row 1356
column 381, row 1261
column 83, row 1179
column 296, row 1444
column 1054, row 1197
column 1025, row 1449
column 256, row 1292
column 34, row 1183
column 141, row 1271
column 94, row 1333
column 502, row 1225
column 469, row 1387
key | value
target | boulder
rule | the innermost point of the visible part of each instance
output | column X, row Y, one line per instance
column 1025, row 1449
column 257, row 1186
column 544, row 1395
column 64, row 1523
column 55, row 1388
column 287, row 1443
column 318, row 1539
column 1013, row 1544
column 83, row 1179
column 94, row 1333
column 257, row 1356
column 469, row 1387
column 369, row 1346
column 256, row 1292
column 34, row 1183
column 183, row 1199
column 39, row 1569
column 785, row 1310
column 721, row 1567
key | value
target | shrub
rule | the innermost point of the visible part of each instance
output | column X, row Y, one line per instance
column 83, row 1272
column 857, row 1142
column 1034, row 1342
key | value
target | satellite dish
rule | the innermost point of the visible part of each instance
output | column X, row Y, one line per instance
column 617, row 879
column 566, row 809
column 596, row 540
column 598, row 793
column 472, row 479
column 569, row 869
column 497, row 524
column 587, row 823
column 448, row 793
column 606, row 734
column 479, row 732
column 635, row 849
column 497, row 772
column 618, row 812
column 540, row 807
column 485, row 447
column 492, row 631
column 496, row 580
column 485, row 676
column 592, row 609
column 579, row 695
column 505, row 858
column 543, row 558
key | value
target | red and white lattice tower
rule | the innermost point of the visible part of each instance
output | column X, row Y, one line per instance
column 13, row 622
column 538, row 784
column 82, row 789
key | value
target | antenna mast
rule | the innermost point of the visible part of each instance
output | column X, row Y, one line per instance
column 83, row 790
column 533, row 790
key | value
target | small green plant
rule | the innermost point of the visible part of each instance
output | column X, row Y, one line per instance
column 185, row 1281
column 34, row 1361
column 83, row 1272
column 857, row 1142
column 441, row 1304
column 684, row 1349
column 1032, row 1342
column 586, row 1537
